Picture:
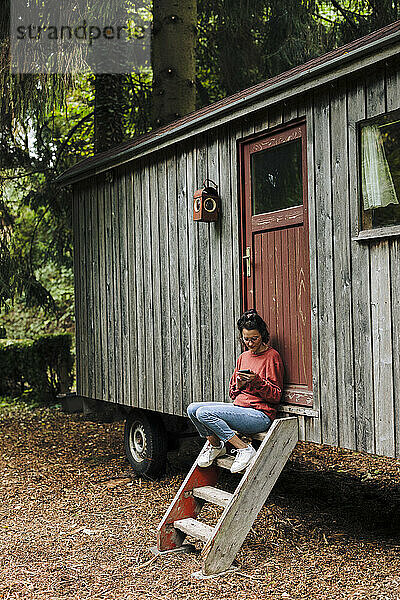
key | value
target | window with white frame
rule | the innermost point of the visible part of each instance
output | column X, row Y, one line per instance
column 380, row 172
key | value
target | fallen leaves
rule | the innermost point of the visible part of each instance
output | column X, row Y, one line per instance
column 76, row 524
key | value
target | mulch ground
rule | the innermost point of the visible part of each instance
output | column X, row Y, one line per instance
column 76, row 523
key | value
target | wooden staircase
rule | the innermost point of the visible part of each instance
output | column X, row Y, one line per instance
column 241, row 508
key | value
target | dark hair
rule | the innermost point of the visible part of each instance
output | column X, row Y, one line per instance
column 252, row 320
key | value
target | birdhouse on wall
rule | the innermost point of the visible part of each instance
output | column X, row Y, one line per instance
column 206, row 202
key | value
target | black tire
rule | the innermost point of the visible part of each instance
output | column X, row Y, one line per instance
column 145, row 443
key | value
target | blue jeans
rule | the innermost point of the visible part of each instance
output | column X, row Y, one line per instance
column 223, row 419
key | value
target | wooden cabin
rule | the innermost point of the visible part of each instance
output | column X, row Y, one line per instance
column 307, row 169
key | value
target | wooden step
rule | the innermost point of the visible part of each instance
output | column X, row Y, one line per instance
column 254, row 436
column 223, row 541
column 196, row 529
column 259, row 436
column 225, row 462
column 213, row 495
column 251, row 493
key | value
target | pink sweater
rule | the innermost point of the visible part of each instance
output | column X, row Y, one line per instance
column 265, row 391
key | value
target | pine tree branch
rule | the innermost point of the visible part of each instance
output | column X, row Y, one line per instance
column 9, row 177
column 343, row 12
column 69, row 136
column 41, row 141
column 30, row 261
column 318, row 16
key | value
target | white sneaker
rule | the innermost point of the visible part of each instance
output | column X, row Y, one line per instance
column 209, row 454
column 243, row 458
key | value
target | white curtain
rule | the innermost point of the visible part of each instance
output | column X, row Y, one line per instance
column 377, row 183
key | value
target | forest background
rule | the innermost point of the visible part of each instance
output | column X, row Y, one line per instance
column 206, row 50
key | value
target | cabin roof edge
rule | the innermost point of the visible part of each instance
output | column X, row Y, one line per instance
column 292, row 82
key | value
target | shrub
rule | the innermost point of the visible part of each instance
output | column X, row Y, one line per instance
column 44, row 365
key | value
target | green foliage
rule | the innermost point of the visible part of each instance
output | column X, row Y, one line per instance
column 35, row 213
column 27, row 402
column 47, row 121
column 243, row 42
column 44, row 365
column 20, row 321
column 247, row 41
column 37, row 230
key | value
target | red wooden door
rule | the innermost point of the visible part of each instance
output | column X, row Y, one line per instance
column 276, row 270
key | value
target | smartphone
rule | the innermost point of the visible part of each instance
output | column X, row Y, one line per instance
column 244, row 371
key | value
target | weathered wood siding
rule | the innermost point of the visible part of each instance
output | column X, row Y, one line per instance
column 157, row 295
column 355, row 285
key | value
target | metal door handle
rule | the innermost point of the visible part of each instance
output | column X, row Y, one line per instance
column 247, row 257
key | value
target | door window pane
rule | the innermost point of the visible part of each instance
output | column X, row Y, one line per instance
column 276, row 178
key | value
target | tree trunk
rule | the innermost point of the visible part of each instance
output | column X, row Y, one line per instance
column 109, row 105
column 173, row 59
column 108, row 111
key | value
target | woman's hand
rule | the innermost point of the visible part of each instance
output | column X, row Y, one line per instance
column 240, row 383
column 244, row 378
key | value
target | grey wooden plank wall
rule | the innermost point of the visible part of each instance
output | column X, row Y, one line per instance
column 157, row 295
column 78, row 259
column 393, row 102
column 357, row 283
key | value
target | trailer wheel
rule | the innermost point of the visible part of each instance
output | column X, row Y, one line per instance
column 145, row 442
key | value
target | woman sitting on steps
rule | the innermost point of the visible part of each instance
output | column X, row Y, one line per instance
column 255, row 388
